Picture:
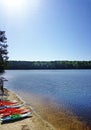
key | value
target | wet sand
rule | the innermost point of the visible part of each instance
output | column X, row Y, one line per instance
column 59, row 117
column 46, row 116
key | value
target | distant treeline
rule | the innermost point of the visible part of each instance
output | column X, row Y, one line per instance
column 49, row 65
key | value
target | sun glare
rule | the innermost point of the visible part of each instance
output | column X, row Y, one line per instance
column 20, row 5
column 13, row 3
column 14, row 6
column 21, row 9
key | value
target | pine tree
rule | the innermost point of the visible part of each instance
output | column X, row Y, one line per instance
column 3, row 51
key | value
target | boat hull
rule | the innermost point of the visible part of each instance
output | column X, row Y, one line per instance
column 15, row 117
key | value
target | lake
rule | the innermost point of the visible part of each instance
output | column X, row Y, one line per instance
column 68, row 88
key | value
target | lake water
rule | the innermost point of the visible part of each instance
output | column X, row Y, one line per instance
column 70, row 88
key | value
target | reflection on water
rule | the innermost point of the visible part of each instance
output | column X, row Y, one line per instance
column 71, row 88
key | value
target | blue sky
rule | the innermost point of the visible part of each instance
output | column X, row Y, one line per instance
column 40, row 30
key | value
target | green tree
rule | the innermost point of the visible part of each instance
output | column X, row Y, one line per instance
column 3, row 51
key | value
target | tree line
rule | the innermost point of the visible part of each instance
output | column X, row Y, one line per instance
column 20, row 65
column 5, row 64
column 3, row 51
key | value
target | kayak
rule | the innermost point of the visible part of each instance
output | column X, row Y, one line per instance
column 11, row 106
column 7, row 103
column 15, row 117
column 2, row 107
column 20, row 111
column 10, row 109
column 15, row 106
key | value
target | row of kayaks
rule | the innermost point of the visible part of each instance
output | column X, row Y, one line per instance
column 12, row 110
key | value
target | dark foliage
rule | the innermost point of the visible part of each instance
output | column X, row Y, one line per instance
column 49, row 65
column 3, row 51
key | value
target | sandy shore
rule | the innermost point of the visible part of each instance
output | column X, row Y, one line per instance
column 60, row 119
column 34, row 122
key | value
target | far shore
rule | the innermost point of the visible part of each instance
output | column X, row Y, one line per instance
column 50, row 119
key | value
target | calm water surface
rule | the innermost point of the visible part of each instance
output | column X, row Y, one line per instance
column 71, row 88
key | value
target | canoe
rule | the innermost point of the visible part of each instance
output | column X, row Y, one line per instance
column 15, row 117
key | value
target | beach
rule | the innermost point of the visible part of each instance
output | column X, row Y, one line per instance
column 34, row 122
column 46, row 121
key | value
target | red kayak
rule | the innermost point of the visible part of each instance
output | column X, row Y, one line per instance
column 7, row 103
column 9, row 109
column 18, row 111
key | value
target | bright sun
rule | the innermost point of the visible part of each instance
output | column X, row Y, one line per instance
column 13, row 3
column 14, row 6
column 19, row 8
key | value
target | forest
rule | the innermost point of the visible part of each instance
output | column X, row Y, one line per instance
column 21, row 65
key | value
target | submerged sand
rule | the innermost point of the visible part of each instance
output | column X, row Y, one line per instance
column 51, row 118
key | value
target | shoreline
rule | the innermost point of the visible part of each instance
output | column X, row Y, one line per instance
column 51, row 119
column 34, row 122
